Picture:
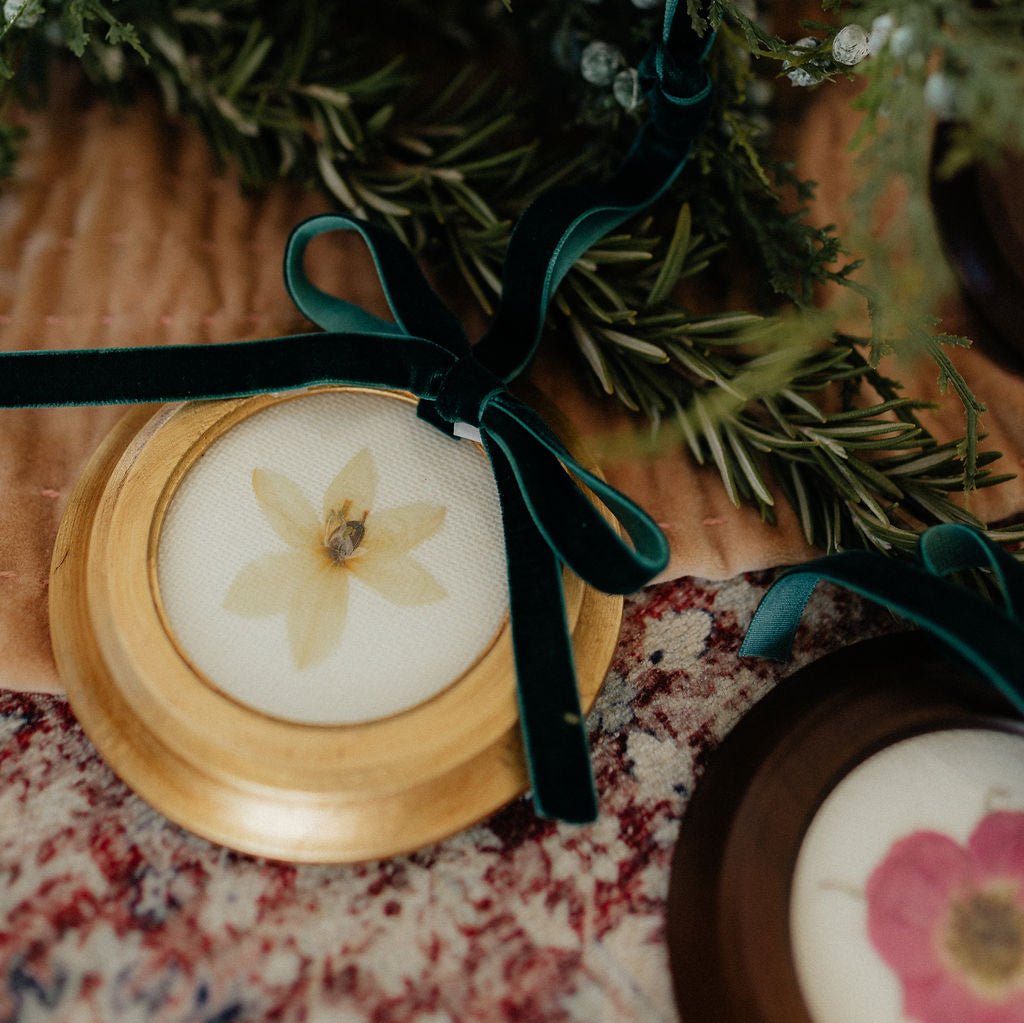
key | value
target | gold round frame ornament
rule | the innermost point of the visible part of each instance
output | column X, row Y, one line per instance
column 231, row 773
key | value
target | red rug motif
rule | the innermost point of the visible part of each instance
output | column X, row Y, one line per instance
column 110, row 913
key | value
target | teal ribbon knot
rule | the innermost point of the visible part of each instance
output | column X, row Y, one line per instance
column 549, row 520
column 464, row 392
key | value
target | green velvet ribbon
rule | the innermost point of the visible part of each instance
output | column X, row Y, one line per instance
column 988, row 637
column 548, row 520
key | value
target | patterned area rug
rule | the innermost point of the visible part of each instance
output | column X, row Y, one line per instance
column 110, row 913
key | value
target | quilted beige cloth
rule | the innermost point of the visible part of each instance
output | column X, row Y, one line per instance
column 119, row 229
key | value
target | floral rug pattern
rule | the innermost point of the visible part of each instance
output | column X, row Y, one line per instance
column 110, row 913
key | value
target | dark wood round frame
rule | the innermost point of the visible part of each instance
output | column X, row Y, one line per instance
column 728, row 904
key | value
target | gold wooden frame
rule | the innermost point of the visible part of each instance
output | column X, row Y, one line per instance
column 263, row 785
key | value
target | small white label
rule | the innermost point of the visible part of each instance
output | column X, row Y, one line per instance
column 467, row 432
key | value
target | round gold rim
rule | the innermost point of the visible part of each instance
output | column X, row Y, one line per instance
column 260, row 784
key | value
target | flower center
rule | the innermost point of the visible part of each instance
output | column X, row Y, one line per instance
column 986, row 937
column 343, row 535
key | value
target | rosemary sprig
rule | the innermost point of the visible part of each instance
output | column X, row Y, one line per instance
column 361, row 102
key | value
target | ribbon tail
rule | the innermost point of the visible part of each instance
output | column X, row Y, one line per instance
column 565, row 516
column 560, row 225
column 986, row 638
column 554, row 734
column 123, row 376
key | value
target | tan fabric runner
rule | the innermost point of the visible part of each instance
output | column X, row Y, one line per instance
column 119, row 230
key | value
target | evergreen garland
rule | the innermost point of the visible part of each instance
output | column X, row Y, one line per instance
column 360, row 101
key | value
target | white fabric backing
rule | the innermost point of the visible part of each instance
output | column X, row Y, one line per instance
column 390, row 658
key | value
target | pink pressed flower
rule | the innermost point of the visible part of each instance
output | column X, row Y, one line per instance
column 950, row 922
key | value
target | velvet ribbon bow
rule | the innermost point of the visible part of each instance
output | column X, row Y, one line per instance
column 548, row 520
column 988, row 637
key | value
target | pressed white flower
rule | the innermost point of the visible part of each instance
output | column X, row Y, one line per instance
column 309, row 582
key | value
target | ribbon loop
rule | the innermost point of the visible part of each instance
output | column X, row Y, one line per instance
column 988, row 638
column 952, row 547
column 417, row 308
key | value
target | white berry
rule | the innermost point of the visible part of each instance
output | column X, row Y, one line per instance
column 850, row 45
column 599, row 63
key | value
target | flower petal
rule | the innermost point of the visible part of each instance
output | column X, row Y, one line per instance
column 286, row 508
column 997, row 847
column 264, row 587
column 402, row 580
column 395, row 530
column 357, row 483
column 316, row 615
column 909, row 895
column 945, row 997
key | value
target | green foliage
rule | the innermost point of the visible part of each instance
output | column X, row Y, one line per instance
column 78, row 15
column 361, row 102
column 10, row 138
